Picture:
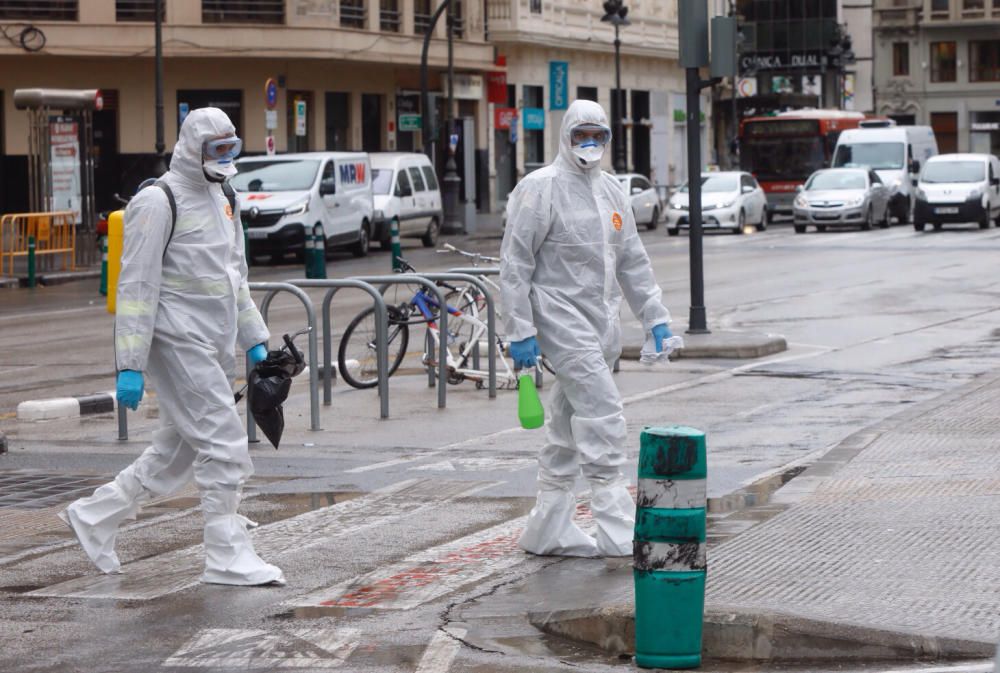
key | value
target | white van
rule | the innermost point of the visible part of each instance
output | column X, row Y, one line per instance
column 406, row 190
column 958, row 188
column 895, row 153
column 282, row 195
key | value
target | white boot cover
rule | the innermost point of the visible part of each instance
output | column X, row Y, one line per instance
column 551, row 530
column 95, row 519
column 614, row 512
column 229, row 554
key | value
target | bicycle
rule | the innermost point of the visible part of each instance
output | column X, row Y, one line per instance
column 356, row 356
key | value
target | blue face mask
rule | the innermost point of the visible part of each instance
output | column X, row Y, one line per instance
column 588, row 144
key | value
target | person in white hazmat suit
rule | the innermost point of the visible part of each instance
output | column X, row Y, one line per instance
column 569, row 251
column 183, row 305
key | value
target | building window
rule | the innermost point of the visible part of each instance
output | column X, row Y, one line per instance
column 421, row 16
column 984, row 61
column 242, row 11
column 536, row 6
column 972, row 6
column 352, row 13
column 945, row 125
column 458, row 20
column 587, row 93
column 389, row 16
column 534, row 140
column 943, row 61
column 139, row 10
column 39, row 10
column 939, row 8
column 900, row 59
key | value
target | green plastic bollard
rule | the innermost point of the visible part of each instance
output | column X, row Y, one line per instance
column 310, row 248
column 31, row 261
column 319, row 252
column 530, row 411
column 669, row 563
column 104, row 267
column 397, row 248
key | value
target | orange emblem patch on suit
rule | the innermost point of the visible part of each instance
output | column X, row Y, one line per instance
column 616, row 221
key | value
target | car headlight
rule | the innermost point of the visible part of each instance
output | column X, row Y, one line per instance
column 975, row 194
column 727, row 204
column 856, row 201
column 297, row 209
column 920, row 194
column 801, row 201
column 896, row 184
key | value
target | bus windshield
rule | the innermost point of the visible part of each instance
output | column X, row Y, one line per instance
column 876, row 156
column 775, row 158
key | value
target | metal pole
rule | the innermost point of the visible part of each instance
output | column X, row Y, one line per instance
column 161, row 166
column 453, row 224
column 620, row 161
column 425, row 105
column 697, row 321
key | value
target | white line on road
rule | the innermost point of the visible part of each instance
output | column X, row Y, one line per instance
column 312, row 647
column 441, row 651
column 980, row 667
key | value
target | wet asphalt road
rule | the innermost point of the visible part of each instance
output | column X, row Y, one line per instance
column 397, row 535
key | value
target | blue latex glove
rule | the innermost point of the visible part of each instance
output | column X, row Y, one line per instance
column 660, row 333
column 257, row 354
column 525, row 352
column 129, row 388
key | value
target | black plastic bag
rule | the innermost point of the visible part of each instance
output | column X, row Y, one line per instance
column 268, row 387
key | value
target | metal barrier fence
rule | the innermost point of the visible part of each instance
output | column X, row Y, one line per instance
column 54, row 234
column 412, row 279
column 381, row 335
column 272, row 290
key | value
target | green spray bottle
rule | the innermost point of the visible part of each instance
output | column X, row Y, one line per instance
column 529, row 407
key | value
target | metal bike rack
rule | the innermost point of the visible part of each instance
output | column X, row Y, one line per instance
column 381, row 335
column 495, row 271
column 491, row 329
column 414, row 279
column 272, row 290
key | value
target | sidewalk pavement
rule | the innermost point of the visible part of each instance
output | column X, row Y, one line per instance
column 887, row 547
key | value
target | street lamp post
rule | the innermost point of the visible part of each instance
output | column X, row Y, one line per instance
column 615, row 13
column 161, row 164
column 452, row 183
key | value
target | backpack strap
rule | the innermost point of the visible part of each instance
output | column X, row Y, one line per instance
column 173, row 210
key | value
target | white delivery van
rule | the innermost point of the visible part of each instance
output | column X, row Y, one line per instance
column 895, row 153
column 406, row 190
column 283, row 195
column 958, row 188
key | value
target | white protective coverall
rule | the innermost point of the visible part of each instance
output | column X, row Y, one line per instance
column 569, row 251
column 180, row 316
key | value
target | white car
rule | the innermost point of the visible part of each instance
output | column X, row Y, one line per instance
column 729, row 200
column 645, row 201
column 958, row 188
column 406, row 190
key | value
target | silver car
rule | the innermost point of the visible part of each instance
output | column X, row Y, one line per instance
column 842, row 197
column 646, row 204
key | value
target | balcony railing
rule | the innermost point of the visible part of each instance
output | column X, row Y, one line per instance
column 897, row 13
column 389, row 20
column 499, row 10
column 421, row 23
column 353, row 13
column 242, row 11
column 39, row 10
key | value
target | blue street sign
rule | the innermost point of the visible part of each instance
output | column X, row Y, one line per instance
column 271, row 93
column 534, row 118
column 182, row 112
column 513, row 131
column 558, row 85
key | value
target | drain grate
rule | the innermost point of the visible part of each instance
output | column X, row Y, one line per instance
column 38, row 490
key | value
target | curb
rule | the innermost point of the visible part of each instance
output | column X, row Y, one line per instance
column 763, row 637
column 719, row 344
column 66, row 407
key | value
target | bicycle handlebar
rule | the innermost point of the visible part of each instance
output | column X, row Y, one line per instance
column 448, row 247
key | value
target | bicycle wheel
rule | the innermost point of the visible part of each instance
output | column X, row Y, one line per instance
column 357, row 358
column 470, row 302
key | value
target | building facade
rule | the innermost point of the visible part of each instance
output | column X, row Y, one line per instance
column 560, row 50
column 352, row 63
column 938, row 64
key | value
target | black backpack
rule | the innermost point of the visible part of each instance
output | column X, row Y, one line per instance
column 227, row 189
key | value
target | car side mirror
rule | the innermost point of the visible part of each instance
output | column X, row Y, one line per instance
column 328, row 186
column 915, row 166
column 747, row 189
column 636, row 190
column 995, row 182
column 800, row 189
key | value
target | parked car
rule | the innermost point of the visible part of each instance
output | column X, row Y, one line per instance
column 895, row 153
column 406, row 190
column 842, row 197
column 958, row 188
column 646, row 204
column 729, row 200
column 281, row 196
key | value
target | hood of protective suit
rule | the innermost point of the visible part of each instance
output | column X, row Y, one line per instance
column 199, row 126
column 579, row 112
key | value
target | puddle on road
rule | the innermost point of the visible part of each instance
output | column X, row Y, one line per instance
column 734, row 513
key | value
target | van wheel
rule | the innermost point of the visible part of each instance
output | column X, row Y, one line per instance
column 430, row 238
column 918, row 226
column 800, row 228
column 985, row 222
column 937, row 226
column 867, row 224
column 655, row 222
column 360, row 249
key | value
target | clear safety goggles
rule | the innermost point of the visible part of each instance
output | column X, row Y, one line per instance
column 222, row 149
column 585, row 133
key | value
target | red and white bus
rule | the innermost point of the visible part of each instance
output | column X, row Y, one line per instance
column 783, row 150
